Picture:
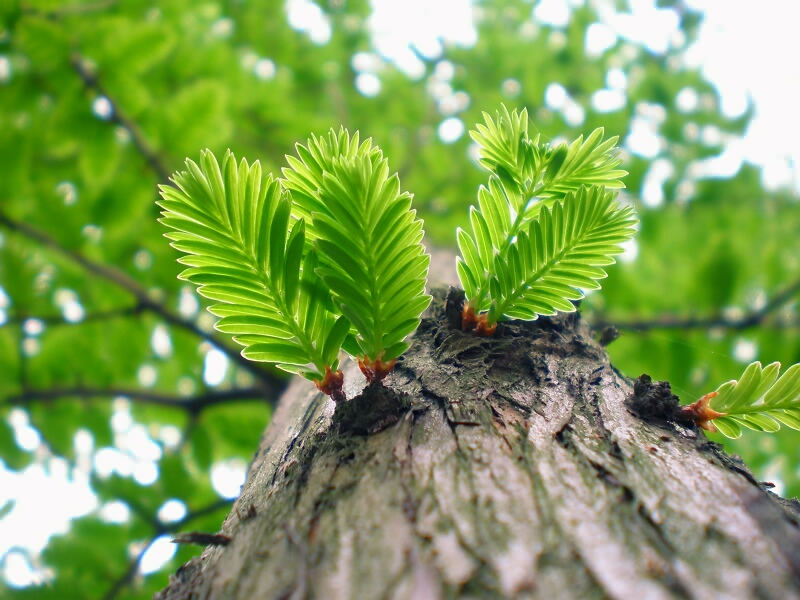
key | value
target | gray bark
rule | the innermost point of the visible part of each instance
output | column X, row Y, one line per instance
column 511, row 466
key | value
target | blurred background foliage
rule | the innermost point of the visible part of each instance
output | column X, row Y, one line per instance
column 124, row 418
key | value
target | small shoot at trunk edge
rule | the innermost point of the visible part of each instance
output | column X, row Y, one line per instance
column 759, row 400
column 544, row 226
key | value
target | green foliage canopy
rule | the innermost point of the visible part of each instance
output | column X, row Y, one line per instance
column 102, row 101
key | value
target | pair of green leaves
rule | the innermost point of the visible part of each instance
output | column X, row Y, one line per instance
column 329, row 257
column 544, row 227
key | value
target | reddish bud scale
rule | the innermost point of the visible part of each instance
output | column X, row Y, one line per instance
column 375, row 370
column 477, row 323
column 701, row 413
column 331, row 384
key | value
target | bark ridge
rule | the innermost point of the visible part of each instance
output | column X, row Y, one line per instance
column 514, row 466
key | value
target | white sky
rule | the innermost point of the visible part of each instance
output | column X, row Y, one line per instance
column 746, row 49
column 750, row 49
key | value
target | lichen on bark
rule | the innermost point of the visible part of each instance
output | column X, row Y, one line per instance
column 509, row 466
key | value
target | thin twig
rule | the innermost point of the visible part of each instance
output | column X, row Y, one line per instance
column 188, row 429
column 749, row 320
column 160, row 529
column 192, row 405
column 127, row 577
column 196, row 514
column 56, row 320
column 118, row 117
column 76, row 9
column 143, row 299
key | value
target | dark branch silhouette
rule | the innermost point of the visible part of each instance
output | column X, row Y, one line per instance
column 192, row 404
column 65, row 11
column 118, row 117
column 749, row 320
column 196, row 514
column 160, row 529
column 127, row 577
column 56, row 320
column 143, row 298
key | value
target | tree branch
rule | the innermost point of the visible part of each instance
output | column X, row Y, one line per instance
column 196, row 514
column 127, row 577
column 143, row 299
column 160, row 529
column 751, row 319
column 55, row 320
column 192, row 405
column 118, row 117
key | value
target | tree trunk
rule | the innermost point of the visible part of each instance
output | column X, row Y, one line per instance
column 515, row 466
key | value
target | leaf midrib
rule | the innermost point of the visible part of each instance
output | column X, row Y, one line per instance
column 374, row 292
column 521, row 219
column 540, row 273
column 305, row 343
column 762, row 408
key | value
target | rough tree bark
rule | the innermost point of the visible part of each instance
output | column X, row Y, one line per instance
column 515, row 466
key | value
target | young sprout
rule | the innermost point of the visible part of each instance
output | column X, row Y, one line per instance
column 544, row 226
column 329, row 258
column 369, row 243
column 759, row 400
column 244, row 252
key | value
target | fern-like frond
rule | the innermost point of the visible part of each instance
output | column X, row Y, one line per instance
column 759, row 400
column 505, row 148
column 527, row 177
column 533, row 169
column 559, row 255
column 370, row 253
column 233, row 225
column 304, row 176
column 585, row 162
column 491, row 226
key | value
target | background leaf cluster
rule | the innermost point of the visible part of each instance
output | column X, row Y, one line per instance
column 101, row 101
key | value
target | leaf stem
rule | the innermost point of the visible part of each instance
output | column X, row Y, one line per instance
column 762, row 408
column 376, row 305
column 483, row 288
